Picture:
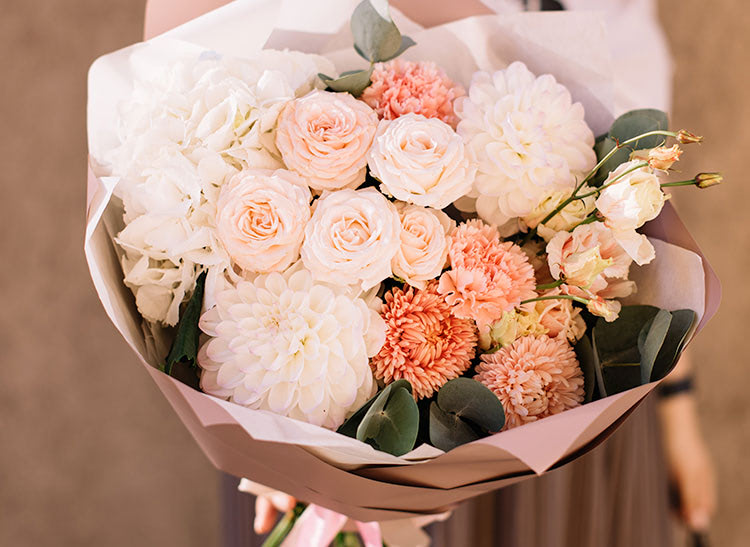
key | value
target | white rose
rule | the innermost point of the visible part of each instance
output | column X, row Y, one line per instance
column 424, row 244
column 351, row 238
column 261, row 218
column 628, row 204
column 420, row 161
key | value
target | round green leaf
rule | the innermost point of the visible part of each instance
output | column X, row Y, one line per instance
column 392, row 421
column 681, row 325
column 472, row 401
column 587, row 359
column 650, row 340
column 447, row 431
column 376, row 37
column 636, row 122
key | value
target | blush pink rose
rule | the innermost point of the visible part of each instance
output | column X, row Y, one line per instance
column 325, row 137
column 261, row 217
column 401, row 87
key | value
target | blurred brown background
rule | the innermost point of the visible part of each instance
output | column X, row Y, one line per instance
column 90, row 453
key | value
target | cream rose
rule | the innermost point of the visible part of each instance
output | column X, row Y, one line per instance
column 352, row 237
column 424, row 244
column 261, row 218
column 325, row 137
column 628, row 204
column 588, row 257
column 565, row 220
column 421, row 161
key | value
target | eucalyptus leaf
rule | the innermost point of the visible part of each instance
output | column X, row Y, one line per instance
column 376, row 37
column 472, row 401
column 352, row 81
column 588, row 361
column 617, row 342
column 447, row 431
column 674, row 342
column 650, row 341
column 349, row 427
column 184, row 350
column 598, row 366
column 629, row 125
column 406, row 43
column 621, row 377
column 392, row 421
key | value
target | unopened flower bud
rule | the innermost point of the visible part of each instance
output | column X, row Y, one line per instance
column 661, row 157
column 706, row 180
column 686, row 137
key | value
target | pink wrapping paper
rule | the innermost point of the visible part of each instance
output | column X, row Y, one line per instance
column 372, row 492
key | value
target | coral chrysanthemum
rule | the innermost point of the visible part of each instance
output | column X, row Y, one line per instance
column 487, row 276
column 424, row 342
column 401, row 87
column 535, row 377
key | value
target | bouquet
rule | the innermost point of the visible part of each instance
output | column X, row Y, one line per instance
column 390, row 284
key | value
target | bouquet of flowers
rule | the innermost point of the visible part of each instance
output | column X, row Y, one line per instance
column 349, row 284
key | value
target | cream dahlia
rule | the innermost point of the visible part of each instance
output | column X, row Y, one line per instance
column 424, row 342
column 289, row 345
column 535, row 377
column 526, row 137
column 487, row 277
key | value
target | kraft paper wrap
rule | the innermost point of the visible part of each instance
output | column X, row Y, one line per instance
column 311, row 463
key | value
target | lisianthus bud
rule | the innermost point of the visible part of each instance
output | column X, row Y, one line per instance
column 661, row 157
column 608, row 309
column 686, row 137
column 511, row 326
column 706, row 180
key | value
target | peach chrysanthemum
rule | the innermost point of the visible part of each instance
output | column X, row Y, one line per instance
column 534, row 377
column 424, row 342
column 400, row 87
column 487, row 276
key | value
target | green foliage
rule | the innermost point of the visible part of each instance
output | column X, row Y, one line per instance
column 587, row 360
column 629, row 125
column 376, row 39
column 391, row 422
column 181, row 360
column 641, row 346
column 464, row 410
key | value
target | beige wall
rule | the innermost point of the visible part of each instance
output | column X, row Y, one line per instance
column 90, row 453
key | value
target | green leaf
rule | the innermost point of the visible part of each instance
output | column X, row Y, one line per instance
column 406, row 43
column 447, row 431
column 619, row 377
column 463, row 411
column 598, row 366
column 617, row 342
column 650, row 341
column 674, row 342
column 629, row 125
column 392, row 421
column 589, row 362
column 352, row 81
column 349, row 427
column 633, row 123
column 376, row 37
column 184, row 350
column 472, row 401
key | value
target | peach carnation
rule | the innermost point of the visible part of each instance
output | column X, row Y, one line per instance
column 401, row 87
column 560, row 316
column 424, row 342
column 534, row 377
column 487, row 276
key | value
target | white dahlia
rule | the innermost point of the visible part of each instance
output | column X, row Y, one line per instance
column 292, row 346
column 526, row 137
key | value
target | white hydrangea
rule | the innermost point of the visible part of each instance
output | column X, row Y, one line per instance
column 527, row 139
column 182, row 136
column 287, row 344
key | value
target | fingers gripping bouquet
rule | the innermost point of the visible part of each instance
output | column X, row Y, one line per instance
column 414, row 261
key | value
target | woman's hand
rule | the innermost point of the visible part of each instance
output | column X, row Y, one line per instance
column 689, row 462
column 267, row 508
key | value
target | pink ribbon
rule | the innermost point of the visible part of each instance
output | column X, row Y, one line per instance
column 318, row 526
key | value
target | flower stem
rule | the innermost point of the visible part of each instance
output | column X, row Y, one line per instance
column 583, row 301
column 587, row 220
column 690, row 182
column 284, row 526
column 550, row 285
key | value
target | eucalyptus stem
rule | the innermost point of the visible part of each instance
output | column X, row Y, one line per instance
column 583, row 301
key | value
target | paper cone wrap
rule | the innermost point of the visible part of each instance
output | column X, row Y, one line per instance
column 308, row 462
